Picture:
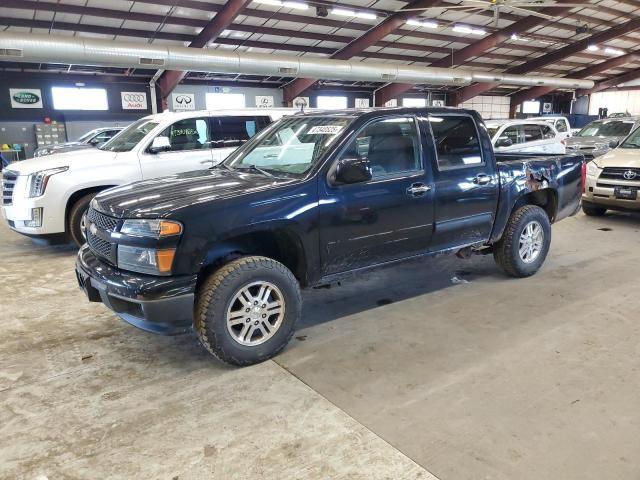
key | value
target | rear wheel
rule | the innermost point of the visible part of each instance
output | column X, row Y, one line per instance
column 525, row 242
column 247, row 310
column 77, row 219
column 593, row 210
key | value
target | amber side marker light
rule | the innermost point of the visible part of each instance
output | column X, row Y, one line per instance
column 168, row 228
column 165, row 259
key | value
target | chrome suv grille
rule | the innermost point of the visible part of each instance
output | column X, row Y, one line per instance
column 620, row 173
column 97, row 241
column 9, row 180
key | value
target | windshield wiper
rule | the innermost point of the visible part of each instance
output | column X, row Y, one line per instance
column 221, row 164
column 255, row 168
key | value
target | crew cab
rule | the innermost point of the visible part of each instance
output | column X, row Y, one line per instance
column 49, row 196
column 305, row 202
column 528, row 136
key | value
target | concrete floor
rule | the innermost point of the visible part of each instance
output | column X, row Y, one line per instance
column 392, row 375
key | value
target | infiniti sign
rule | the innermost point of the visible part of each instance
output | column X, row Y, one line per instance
column 183, row 101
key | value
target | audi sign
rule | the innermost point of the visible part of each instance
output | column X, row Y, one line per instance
column 134, row 100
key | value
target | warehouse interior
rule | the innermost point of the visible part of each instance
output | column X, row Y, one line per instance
column 433, row 364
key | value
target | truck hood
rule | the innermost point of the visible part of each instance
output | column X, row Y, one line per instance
column 620, row 157
column 159, row 197
column 72, row 159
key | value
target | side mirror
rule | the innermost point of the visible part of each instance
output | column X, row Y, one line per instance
column 353, row 170
column 504, row 142
column 94, row 142
column 614, row 143
column 160, row 144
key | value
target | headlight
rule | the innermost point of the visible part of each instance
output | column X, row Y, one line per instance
column 151, row 228
column 37, row 182
column 592, row 169
column 146, row 260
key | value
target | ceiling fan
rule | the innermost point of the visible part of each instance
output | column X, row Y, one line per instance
column 497, row 6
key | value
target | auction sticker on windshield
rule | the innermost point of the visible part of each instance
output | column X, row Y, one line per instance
column 325, row 130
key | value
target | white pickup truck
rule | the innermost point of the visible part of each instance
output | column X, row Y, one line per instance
column 48, row 197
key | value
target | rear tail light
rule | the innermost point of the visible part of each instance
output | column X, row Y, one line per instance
column 584, row 175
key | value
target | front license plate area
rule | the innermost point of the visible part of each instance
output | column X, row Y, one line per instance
column 626, row 193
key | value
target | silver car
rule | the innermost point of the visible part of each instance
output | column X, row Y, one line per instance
column 94, row 138
column 597, row 137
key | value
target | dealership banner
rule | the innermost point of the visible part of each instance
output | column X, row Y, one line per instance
column 134, row 100
column 183, row 101
column 25, row 98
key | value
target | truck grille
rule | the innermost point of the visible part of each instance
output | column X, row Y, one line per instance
column 101, row 220
column 619, row 173
column 9, row 180
column 97, row 243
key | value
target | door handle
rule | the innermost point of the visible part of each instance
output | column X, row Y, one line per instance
column 482, row 179
column 418, row 189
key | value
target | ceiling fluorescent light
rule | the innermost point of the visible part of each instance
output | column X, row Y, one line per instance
column 286, row 3
column 422, row 23
column 613, row 51
column 468, row 30
column 593, row 48
column 296, row 5
column 345, row 12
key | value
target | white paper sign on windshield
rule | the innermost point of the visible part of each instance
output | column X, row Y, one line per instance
column 325, row 130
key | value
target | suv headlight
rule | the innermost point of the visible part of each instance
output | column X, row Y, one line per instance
column 37, row 182
column 592, row 169
column 151, row 228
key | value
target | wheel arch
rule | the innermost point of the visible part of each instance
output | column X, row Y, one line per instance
column 77, row 195
column 282, row 244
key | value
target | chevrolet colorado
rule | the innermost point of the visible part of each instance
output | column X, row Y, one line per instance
column 306, row 201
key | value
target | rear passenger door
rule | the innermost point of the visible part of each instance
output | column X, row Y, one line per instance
column 230, row 132
column 466, row 183
column 189, row 150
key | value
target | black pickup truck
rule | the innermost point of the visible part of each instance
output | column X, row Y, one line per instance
column 306, row 201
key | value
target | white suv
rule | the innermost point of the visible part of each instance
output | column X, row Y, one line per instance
column 524, row 136
column 49, row 196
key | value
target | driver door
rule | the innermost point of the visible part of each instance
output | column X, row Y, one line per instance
column 189, row 149
column 386, row 218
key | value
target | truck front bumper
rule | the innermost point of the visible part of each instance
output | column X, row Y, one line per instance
column 162, row 305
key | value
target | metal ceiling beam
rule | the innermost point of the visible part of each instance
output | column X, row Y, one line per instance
column 537, row 92
column 548, row 58
column 611, row 82
column 392, row 90
column 360, row 44
column 171, row 78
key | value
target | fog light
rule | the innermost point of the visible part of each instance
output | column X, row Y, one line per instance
column 36, row 218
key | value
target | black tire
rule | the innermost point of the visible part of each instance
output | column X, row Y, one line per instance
column 216, row 295
column 74, row 221
column 506, row 251
column 592, row 210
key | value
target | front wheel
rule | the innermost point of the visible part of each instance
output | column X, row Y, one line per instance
column 77, row 219
column 247, row 310
column 525, row 242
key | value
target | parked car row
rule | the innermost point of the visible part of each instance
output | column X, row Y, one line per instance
column 93, row 138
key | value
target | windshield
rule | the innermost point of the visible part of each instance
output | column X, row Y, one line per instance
column 615, row 128
column 87, row 136
column 129, row 137
column 633, row 140
column 291, row 146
